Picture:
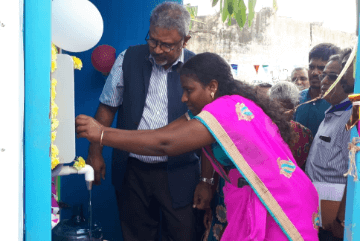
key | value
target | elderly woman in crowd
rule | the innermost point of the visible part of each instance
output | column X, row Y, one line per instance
column 245, row 137
column 287, row 94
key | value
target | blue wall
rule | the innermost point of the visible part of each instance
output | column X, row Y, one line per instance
column 125, row 23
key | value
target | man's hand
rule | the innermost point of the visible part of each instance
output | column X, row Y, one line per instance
column 336, row 228
column 202, row 196
column 208, row 219
column 89, row 128
column 98, row 164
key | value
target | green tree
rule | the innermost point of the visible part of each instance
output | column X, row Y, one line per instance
column 236, row 9
column 193, row 14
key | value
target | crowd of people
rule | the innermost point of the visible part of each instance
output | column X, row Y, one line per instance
column 191, row 137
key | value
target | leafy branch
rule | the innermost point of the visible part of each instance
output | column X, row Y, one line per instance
column 236, row 9
column 193, row 10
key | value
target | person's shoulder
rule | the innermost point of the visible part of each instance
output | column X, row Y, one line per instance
column 298, row 126
column 188, row 54
column 324, row 104
column 138, row 49
column 304, row 92
column 136, row 53
column 303, row 95
column 303, row 108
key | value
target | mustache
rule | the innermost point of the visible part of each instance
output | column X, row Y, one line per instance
column 156, row 55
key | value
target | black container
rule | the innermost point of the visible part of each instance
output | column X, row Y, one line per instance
column 76, row 228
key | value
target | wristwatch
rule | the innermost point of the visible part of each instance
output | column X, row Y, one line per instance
column 207, row 180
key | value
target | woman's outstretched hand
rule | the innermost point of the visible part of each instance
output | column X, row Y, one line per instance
column 87, row 127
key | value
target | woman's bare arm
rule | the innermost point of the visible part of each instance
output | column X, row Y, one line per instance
column 170, row 140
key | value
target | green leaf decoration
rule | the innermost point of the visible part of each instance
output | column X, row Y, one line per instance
column 230, row 6
column 225, row 12
column 275, row 6
column 229, row 22
column 193, row 10
column 251, row 15
column 214, row 2
column 240, row 13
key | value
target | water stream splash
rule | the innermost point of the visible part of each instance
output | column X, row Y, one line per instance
column 90, row 216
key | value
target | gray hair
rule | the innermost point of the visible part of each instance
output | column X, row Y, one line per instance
column 335, row 57
column 285, row 91
column 299, row 68
column 171, row 15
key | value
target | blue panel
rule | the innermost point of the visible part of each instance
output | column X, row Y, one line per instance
column 125, row 23
column 37, row 42
column 352, row 214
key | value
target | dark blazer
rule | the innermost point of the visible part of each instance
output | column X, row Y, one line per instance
column 183, row 170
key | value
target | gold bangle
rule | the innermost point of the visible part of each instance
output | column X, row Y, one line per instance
column 101, row 137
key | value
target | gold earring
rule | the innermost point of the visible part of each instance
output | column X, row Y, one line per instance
column 212, row 95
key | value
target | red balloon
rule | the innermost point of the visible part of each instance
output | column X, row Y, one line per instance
column 103, row 58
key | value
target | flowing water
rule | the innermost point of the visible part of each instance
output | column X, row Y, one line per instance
column 90, row 216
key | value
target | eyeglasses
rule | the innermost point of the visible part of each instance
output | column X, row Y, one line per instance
column 164, row 46
column 332, row 77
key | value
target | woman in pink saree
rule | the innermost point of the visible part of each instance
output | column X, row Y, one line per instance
column 245, row 137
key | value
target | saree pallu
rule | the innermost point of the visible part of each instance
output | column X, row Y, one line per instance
column 280, row 202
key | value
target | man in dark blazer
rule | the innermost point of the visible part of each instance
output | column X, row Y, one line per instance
column 144, row 88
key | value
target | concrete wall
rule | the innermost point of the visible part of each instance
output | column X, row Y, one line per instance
column 280, row 42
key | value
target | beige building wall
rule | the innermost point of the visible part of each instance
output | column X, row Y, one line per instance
column 279, row 42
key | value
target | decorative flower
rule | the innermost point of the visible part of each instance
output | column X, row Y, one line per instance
column 295, row 139
column 54, row 124
column 53, row 66
column 54, row 52
column 54, row 109
column 53, row 93
column 217, row 231
column 53, row 90
column 299, row 151
column 53, row 82
column 77, row 63
column 221, row 213
column 243, row 112
column 53, row 136
column 316, row 220
column 54, row 162
column 79, row 163
column 306, row 147
column 54, row 151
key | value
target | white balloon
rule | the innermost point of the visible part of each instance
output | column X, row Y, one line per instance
column 77, row 25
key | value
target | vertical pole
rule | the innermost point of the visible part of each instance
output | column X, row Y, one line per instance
column 352, row 213
column 12, row 120
column 37, row 42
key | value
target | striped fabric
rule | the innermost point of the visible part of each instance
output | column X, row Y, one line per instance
column 155, row 113
column 329, row 155
column 112, row 94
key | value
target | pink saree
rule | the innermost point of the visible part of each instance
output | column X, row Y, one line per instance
column 280, row 203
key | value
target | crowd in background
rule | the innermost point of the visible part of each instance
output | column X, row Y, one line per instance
column 321, row 144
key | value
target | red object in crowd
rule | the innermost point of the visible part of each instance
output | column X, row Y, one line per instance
column 103, row 58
